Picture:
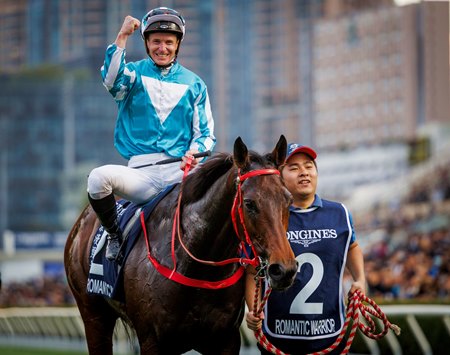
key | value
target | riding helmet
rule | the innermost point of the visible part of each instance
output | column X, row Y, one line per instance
column 163, row 19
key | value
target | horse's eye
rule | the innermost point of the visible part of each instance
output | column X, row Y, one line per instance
column 250, row 206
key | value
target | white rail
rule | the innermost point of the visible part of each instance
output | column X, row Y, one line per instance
column 58, row 326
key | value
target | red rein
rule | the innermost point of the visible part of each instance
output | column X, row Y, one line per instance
column 173, row 275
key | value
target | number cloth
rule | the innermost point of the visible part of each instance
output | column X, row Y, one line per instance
column 309, row 316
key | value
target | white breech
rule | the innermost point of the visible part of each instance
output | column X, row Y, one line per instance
column 137, row 185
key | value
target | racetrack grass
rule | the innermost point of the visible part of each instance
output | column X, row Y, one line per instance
column 30, row 351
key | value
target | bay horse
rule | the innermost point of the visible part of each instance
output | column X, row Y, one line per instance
column 228, row 200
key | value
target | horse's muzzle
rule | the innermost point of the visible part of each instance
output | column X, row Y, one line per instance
column 281, row 277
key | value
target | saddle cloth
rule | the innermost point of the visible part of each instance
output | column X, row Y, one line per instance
column 105, row 276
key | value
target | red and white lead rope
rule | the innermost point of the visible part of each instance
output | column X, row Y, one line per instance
column 354, row 308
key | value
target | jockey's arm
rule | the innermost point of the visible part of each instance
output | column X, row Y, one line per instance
column 130, row 24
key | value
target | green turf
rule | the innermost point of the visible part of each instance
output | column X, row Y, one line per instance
column 29, row 351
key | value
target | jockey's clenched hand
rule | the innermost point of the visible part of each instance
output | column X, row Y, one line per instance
column 130, row 24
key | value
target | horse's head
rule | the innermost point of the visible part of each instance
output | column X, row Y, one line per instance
column 263, row 210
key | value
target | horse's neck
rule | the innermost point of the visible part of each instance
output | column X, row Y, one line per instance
column 207, row 222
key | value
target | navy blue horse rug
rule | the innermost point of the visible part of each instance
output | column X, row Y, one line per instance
column 105, row 276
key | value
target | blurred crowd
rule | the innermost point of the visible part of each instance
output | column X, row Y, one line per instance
column 406, row 246
column 435, row 188
column 417, row 268
column 39, row 292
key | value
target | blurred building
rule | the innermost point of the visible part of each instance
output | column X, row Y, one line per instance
column 282, row 53
column 376, row 75
column 339, row 75
column 48, row 133
column 13, row 35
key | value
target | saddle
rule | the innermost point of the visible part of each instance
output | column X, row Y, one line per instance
column 105, row 276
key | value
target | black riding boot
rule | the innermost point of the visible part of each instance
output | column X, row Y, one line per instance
column 105, row 208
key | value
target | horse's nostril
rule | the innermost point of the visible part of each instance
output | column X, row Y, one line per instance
column 280, row 276
column 276, row 271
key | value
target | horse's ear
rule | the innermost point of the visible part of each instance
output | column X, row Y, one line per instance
column 279, row 153
column 240, row 153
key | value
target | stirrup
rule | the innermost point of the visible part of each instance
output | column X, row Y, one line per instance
column 112, row 247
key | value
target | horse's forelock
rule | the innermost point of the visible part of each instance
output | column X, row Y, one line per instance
column 263, row 161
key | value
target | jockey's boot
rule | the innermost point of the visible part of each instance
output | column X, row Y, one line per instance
column 105, row 208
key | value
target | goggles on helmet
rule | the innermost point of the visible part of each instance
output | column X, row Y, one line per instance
column 163, row 19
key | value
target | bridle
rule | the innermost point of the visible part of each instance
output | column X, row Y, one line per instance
column 236, row 210
column 237, row 206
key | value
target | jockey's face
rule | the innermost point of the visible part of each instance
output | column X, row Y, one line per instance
column 162, row 47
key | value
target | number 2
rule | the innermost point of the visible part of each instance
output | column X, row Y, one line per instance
column 299, row 304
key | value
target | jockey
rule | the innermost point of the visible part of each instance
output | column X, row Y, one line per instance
column 163, row 112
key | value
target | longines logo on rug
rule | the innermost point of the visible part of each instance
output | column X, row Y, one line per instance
column 307, row 237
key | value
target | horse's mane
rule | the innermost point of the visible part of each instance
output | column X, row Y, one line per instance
column 198, row 183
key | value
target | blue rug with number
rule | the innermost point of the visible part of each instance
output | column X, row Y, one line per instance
column 105, row 276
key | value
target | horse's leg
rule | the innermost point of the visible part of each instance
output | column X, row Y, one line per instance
column 227, row 343
column 98, row 317
column 99, row 322
column 234, row 345
column 149, row 346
